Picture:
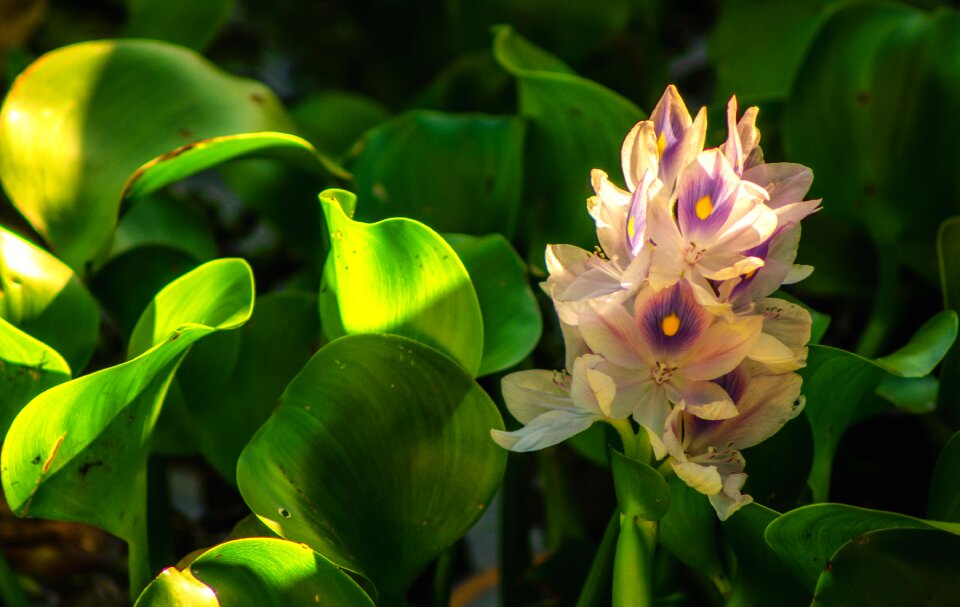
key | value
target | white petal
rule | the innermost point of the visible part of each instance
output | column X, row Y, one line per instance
column 531, row 393
column 721, row 349
column 797, row 273
column 610, row 331
column 638, row 153
column 730, row 499
column 545, row 430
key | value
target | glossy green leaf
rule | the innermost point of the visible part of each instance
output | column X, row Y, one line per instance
column 689, row 531
column 41, row 296
column 757, row 45
column 871, row 91
column 397, row 276
column 641, row 490
column 378, row 456
column 167, row 221
column 194, row 157
column 511, row 317
column 916, row 395
column 576, row 125
column 778, row 468
column 232, row 381
column 28, row 367
column 78, row 451
column 944, row 501
column 836, row 383
column 184, row 22
column 891, row 568
column 454, row 172
column 81, row 119
column 333, row 121
column 263, row 572
column 948, row 251
column 760, row 578
column 807, row 538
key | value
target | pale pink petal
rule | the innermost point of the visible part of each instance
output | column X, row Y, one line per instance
column 789, row 323
column 591, row 389
column 638, row 270
column 545, row 430
column 727, row 265
column 732, row 148
column 609, row 330
column 721, row 348
column 703, row 399
column 795, row 212
column 573, row 342
column 600, row 280
column 651, row 412
column 609, row 211
column 531, row 393
column 750, row 137
column 785, row 182
column 797, row 273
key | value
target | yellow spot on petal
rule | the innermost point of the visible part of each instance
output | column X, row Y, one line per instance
column 632, row 227
column 704, row 207
column 670, row 325
column 661, row 144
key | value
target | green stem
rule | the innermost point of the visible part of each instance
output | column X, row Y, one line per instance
column 10, row 589
column 886, row 302
column 598, row 578
column 138, row 564
column 635, row 445
column 443, row 578
column 633, row 566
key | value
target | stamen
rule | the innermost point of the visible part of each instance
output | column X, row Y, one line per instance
column 670, row 324
column 704, row 207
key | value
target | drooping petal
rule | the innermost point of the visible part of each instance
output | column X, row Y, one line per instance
column 722, row 347
column 591, row 389
column 610, row 331
column 532, row 393
column 545, row 430
column 704, row 399
column 785, row 182
column 729, row 499
column 638, row 154
column 705, row 479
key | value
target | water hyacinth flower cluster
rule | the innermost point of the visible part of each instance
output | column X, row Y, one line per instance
column 670, row 321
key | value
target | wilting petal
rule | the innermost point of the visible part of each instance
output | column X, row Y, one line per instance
column 785, row 182
column 703, row 399
column 729, row 500
column 532, row 393
column 590, row 389
column 670, row 320
column 545, row 430
column 722, row 347
column 638, row 154
column 609, row 330
column 767, row 403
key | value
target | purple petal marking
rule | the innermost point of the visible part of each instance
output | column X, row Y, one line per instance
column 637, row 220
column 734, row 383
column 761, row 251
column 719, row 182
column 671, row 319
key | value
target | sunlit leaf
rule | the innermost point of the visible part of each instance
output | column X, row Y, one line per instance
column 263, row 572
column 42, row 297
column 511, row 317
column 454, row 172
column 378, row 456
column 397, row 276
column 27, row 368
column 78, row 451
column 576, row 125
column 808, row 537
column 83, row 118
column 689, row 530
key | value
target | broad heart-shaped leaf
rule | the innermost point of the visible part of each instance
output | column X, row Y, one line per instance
column 231, row 381
column 948, row 252
column 378, row 457
column 397, row 276
column 78, row 451
column 872, row 90
column 893, row 567
column 943, row 503
column 836, row 382
column 28, row 367
column 757, row 46
column 81, row 119
column 258, row 571
column 689, row 531
column 641, row 490
column 41, row 296
column 576, row 125
column 760, row 578
column 808, row 537
column 191, row 24
column 333, row 121
column 511, row 317
column 454, row 172
column 164, row 220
